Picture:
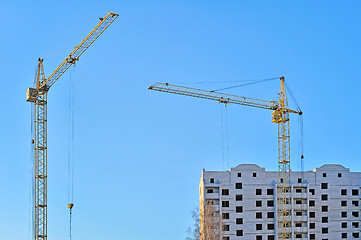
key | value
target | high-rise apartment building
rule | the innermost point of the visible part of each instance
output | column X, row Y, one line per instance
column 325, row 202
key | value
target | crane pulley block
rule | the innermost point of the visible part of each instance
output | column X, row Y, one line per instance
column 31, row 94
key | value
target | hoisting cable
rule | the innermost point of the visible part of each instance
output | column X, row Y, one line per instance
column 233, row 81
column 300, row 126
column 293, row 97
column 222, row 137
column 227, row 145
column 71, row 149
column 32, row 164
column 245, row 84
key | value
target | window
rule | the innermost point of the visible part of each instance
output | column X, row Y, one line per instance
column 269, row 191
column 298, row 235
column 209, row 190
column 343, row 214
column 225, row 191
column 343, row 191
column 312, row 236
column 312, row 225
column 355, row 224
column 239, row 233
column 225, row 203
column 298, row 224
column 210, row 202
column 270, row 214
column 339, row 174
column 343, row 203
column 239, row 209
column 324, row 174
column 258, row 203
column 258, row 226
column 211, row 180
column 238, row 185
column 225, row 215
column 355, row 192
column 270, row 203
column 356, row 235
column 258, row 237
column 254, row 174
column 298, row 201
column 258, row 214
column 324, row 197
column 355, row 214
column 355, row 203
column 323, row 185
column 325, row 219
column 225, row 228
column 312, row 191
column 312, row 203
column 225, row 238
column 324, row 209
column 239, row 174
column 270, row 226
column 312, row 214
column 238, row 197
column 298, row 213
column 271, row 237
column 258, row 191
column 344, row 225
column 239, row 220
column 344, row 235
column 298, row 190
column 324, row 230
column 299, row 180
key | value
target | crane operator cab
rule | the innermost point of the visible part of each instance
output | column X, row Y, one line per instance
column 278, row 116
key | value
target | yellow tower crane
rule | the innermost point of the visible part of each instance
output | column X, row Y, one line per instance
column 280, row 115
column 38, row 95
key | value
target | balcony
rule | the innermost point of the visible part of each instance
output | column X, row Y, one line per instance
column 300, row 230
column 300, row 218
column 211, row 196
column 300, row 207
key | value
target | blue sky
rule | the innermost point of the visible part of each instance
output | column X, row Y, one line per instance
column 138, row 153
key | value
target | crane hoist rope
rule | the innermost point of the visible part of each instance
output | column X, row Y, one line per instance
column 71, row 113
column 38, row 96
column 245, row 84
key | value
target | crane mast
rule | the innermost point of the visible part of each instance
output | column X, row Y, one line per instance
column 38, row 96
column 280, row 115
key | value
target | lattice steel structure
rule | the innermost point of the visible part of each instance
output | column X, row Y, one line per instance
column 38, row 96
column 280, row 115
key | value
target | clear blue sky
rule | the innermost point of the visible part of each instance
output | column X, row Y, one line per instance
column 138, row 153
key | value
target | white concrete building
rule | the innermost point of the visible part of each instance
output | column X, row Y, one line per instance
column 325, row 202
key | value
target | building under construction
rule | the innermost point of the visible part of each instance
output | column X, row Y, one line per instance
column 325, row 202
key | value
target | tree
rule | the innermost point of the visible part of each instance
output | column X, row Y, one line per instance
column 194, row 231
column 207, row 223
column 210, row 222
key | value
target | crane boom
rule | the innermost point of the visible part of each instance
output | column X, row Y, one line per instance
column 78, row 51
column 217, row 96
column 280, row 115
column 38, row 96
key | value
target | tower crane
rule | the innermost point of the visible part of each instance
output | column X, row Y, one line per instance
column 280, row 115
column 38, row 96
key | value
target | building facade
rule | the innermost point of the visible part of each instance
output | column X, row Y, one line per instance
column 325, row 202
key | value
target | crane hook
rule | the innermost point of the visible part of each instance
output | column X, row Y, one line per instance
column 70, row 206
